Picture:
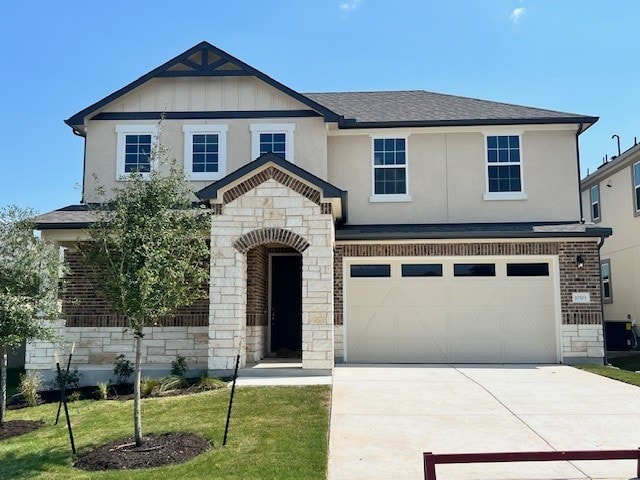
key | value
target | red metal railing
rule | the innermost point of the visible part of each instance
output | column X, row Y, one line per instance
column 432, row 459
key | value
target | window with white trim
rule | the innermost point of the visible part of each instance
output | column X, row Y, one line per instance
column 272, row 137
column 205, row 151
column 595, row 203
column 390, row 170
column 636, row 188
column 135, row 144
column 605, row 276
column 504, row 168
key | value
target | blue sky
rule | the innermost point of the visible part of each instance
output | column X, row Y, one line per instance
column 59, row 57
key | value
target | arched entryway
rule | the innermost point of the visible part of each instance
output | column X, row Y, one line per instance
column 274, row 292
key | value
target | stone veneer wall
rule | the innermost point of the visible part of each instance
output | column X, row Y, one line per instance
column 271, row 207
column 581, row 329
column 98, row 347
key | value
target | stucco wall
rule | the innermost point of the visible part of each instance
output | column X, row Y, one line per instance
column 447, row 177
column 310, row 147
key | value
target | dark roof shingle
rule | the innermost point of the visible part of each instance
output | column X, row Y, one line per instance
column 422, row 107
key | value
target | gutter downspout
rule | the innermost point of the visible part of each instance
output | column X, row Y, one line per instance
column 578, row 132
column 84, row 161
column 604, row 338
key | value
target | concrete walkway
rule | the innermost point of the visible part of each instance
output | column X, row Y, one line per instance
column 384, row 416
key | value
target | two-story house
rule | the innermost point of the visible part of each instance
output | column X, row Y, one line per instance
column 401, row 226
column 612, row 196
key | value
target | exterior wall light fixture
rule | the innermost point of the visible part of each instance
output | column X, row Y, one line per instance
column 580, row 261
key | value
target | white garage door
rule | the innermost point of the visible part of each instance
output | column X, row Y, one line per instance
column 450, row 310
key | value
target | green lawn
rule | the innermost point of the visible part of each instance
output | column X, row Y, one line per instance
column 620, row 368
column 275, row 433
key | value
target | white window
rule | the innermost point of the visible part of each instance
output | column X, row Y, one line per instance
column 135, row 143
column 595, row 203
column 205, row 151
column 636, row 188
column 390, row 176
column 605, row 275
column 272, row 137
column 504, row 167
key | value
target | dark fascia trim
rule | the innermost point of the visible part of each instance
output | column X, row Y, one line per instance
column 78, row 118
column 351, row 123
column 346, row 235
column 205, row 115
column 63, row 226
column 328, row 191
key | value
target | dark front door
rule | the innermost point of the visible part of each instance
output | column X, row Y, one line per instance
column 286, row 303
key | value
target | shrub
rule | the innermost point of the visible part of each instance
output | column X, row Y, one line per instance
column 29, row 386
column 172, row 382
column 102, row 390
column 211, row 383
column 148, row 385
column 122, row 369
column 68, row 379
column 179, row 367
column 74, row 396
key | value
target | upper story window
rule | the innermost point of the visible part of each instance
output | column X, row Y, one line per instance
column 272, row 137
column 595, row 203
column 504, row 168
column 605, row 275
column 205, row 151
column 135, row 143
column 390, row 170
column 636, row 188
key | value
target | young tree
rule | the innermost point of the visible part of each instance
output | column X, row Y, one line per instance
column 149, row 253
column 29, row 270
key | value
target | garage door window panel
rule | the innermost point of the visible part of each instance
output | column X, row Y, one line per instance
column 370, row 271
column 474, row 270
column 527, row 269
column 422, row 270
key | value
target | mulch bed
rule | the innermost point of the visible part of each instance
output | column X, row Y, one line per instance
column 157, row 450
column 18, row 427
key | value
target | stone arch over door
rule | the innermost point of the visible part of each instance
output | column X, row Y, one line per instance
column 262, row 236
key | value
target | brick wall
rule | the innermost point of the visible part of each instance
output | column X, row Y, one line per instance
column 83, row 306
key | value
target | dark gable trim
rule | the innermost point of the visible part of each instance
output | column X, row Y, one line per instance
column 352, row 124
column 202, row 70
column 205, row 115
column 328, row 191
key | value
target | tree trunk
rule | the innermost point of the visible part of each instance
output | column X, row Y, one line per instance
column 3, row 384
column 137, row 419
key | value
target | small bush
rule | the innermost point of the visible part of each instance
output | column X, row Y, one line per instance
column 172, row 382
column 29, row 386
column 103, row 388
column 148, row 385
column 74, row 396
column 179, row 367
column 122, row 369
column 211, row 383
column 68, row 379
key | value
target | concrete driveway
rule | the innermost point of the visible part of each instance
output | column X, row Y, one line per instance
column 384, row 416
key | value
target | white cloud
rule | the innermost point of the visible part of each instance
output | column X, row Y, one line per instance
column 516, row 14
column 349, row 5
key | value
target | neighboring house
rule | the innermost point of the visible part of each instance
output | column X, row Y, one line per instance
column 398, row 227
column 612, row 196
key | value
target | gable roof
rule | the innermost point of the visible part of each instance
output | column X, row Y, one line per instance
column 201, row 60
column 422, row 108
column 411, row 108
column 328, row 190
